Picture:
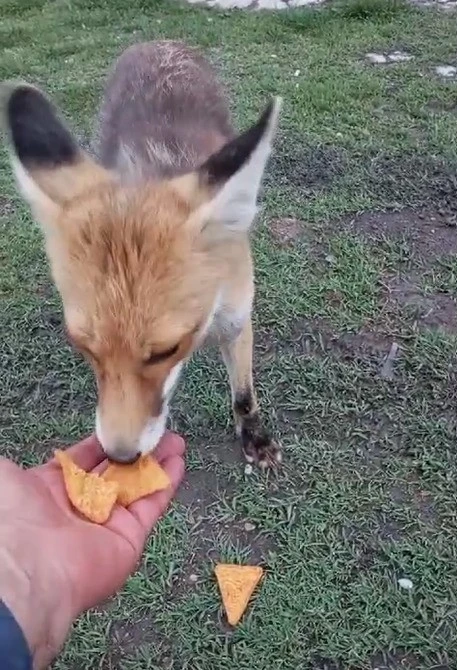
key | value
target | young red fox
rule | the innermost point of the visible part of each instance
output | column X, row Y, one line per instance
column 149, row 245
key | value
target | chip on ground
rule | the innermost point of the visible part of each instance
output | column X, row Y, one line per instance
column 137, row 480
column 237, row 584
column 88, row 492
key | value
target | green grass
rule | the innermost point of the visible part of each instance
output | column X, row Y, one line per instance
column 368, row 491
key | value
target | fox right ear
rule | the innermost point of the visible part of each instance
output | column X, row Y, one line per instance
column 49, row 166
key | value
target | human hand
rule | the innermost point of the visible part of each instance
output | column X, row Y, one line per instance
column 55, row 564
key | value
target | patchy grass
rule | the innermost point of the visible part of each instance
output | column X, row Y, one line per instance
column 368, row 491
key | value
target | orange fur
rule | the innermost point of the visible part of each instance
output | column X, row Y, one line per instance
column 150, row 250
column 132, row 285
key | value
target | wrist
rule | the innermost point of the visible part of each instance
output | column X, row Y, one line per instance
column 36, row 605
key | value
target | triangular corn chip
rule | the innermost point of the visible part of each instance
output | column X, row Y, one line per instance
column 137, row 480
column 88, row 493
column 237, row 584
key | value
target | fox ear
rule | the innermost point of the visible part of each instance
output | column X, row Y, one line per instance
column 49, row 166
column 231, row 177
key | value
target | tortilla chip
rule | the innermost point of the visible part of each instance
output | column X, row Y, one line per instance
column 87, row 492
column 137, row 480
column 237, row 584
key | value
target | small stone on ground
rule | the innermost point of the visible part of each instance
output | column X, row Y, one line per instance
column 447, row 71
column 393, row 57
column 292, row 4
column 399, row 57
column 405, row 583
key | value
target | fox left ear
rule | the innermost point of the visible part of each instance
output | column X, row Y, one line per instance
column 232, row 176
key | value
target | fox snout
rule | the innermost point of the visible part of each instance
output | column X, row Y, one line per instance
column 126, row 446
column 131, row 418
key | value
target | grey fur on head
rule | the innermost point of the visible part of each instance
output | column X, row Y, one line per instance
column 163, row 112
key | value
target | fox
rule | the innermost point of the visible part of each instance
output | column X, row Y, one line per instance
column 147, row 234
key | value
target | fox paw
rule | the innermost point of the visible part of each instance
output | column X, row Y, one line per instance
column 260, row 449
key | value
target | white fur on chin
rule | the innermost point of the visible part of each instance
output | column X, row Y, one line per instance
column 156, row 426
column 153, row 432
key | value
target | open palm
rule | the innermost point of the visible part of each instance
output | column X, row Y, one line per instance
column 59, row 562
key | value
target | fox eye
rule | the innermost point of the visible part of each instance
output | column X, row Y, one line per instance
column 161, row 356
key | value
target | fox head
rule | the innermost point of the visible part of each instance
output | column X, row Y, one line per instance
column 134, row 264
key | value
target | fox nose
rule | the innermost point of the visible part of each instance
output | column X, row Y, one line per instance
column 123, row 456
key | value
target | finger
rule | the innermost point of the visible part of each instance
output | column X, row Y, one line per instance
column 171, row 444
column 86, row 454
column 148, row 511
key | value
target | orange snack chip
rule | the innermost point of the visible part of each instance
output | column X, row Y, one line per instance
column 88, row 492
column 237, row 584
column 137, row 480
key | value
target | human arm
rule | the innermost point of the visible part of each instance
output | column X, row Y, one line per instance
column 54, row 564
